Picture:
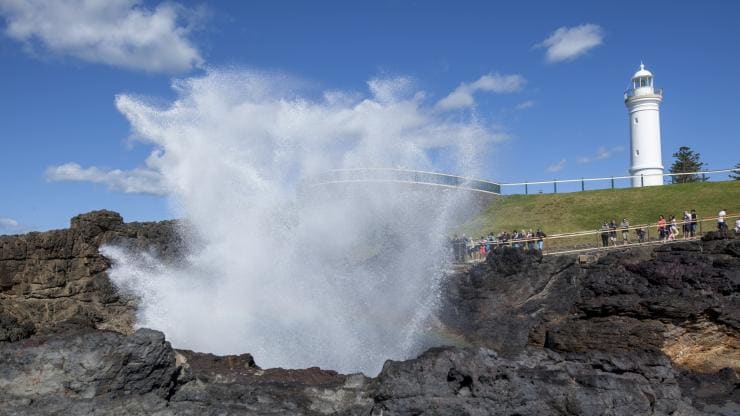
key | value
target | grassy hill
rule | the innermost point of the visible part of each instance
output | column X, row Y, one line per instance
column 577, row 211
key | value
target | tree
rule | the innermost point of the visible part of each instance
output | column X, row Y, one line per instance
column 686, row 161
column 736, row 175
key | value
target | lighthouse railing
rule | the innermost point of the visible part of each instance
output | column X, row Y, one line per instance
column 633, row 92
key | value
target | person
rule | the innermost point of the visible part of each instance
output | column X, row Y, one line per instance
column 469, row 246
column 540, row 239
column 640, row 234
column 604, row 234
column 482, row 248
column 672, row 229
column 625, row 225
column 686, row 224
column 693, row 222
column 530, row 240
column 737, row 226
column 455, row 247
column 661, row 228
column 721, row 224
column 490, row 242
column 613, row 232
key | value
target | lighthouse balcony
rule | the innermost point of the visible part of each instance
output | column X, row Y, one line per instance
column 647, row 91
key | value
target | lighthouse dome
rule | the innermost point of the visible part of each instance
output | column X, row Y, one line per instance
column 642, row 73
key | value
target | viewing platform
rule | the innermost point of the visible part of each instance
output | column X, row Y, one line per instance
column 392, row 175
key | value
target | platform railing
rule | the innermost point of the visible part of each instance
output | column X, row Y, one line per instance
column 607, row 182
column 591, row 240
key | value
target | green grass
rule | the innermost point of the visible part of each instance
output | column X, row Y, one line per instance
column 579, row 211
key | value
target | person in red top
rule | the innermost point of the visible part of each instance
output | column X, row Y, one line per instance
column 661, row 227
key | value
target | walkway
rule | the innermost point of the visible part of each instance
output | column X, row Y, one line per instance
column 391, row 175
column 558, row 244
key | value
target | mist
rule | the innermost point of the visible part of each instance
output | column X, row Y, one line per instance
column 338, row 276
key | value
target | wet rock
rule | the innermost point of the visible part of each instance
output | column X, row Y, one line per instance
column 534, row 382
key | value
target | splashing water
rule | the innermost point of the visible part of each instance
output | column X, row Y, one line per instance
column 337, row 277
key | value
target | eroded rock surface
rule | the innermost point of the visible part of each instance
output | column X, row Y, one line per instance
column 643, row 331
column 48, row 277
column 677, row 301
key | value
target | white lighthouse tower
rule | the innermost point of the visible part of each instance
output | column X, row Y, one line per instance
column 643, row 102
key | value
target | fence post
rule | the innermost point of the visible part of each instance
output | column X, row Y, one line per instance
column 583, row 186
column 612, row 182
column 526, row 189
column 555, row 185
column 642, row 180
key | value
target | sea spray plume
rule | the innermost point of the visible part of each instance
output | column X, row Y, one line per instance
column 341, row 277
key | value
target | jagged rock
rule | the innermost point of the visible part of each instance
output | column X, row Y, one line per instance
column 652, row 330
column 453, row 381
column 11, row 330
column 57, row 275
column 680, row 301
column 82, row 369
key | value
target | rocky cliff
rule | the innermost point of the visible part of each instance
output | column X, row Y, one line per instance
column 636, row 332
column 48, row 277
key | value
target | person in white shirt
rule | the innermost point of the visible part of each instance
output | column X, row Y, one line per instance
column 721, row 224
column 737, row 226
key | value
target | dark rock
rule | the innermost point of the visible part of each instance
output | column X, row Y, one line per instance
column 652, row 330
column 677, row 301
column 11, row 330
column 86, row 369
column 453, row 381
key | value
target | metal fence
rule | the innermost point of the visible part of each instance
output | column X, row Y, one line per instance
column 394, row 175
column 614, row 238
column 611, row 182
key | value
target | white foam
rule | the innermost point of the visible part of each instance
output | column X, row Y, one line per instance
column 342, row 278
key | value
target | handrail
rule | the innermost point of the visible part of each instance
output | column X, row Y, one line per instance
column 631, row 92
column 617, row 177
column 413, row 171
column 618, row 229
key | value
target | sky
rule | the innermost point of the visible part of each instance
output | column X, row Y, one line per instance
column 546, row 78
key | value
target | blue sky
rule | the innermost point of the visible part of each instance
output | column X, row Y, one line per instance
column 555, row 104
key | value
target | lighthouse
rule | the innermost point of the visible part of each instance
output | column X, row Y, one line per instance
column 643, row 103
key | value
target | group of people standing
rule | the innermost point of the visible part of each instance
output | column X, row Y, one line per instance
column 465, row 247
column 668, row 229
column 609, row 232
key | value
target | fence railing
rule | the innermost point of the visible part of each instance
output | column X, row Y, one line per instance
column 395, row 175
column 603, row 239
column 609, row 182
column 633, row 92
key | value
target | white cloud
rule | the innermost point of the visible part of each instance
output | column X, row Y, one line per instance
column 525, row 105
column 140, row 180
column 122, row 33
column 601, row 154
column 462, row 96
column 11, row 226
column 390, row 89
column 557, row 167
column 8, row 223
column 248, row 122
column 568, row 43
